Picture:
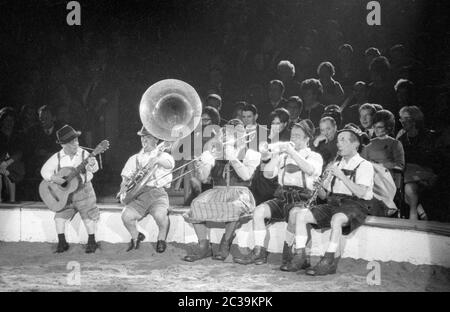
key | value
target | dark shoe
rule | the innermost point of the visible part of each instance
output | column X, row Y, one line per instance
column 203, row 252
column 136, row 245
column 224, row 248
column 91, row 247
column 62, row 247
column 245, row 259
column 161, row 246
column 298, row 262
column 326, row 265
column 260, row 255
column 287, row 254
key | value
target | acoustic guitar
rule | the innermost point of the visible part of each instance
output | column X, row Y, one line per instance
column 56, row 196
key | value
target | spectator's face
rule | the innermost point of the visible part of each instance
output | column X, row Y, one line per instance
column 148, row 142
column 359, row 92
column 249, row 118
column 212, row 102
column 275, row 93
column 277, row 126
column 345, row 55
column 285, row 74
column 299, row 138
column 8, row 124
column 206, row 120
column 328, row 130
column 366, row 118
column 344, row 144
column 46, row 119
column 71, row 147
column 238, row 114
column 407, row 121
column 380, row 129
column 293, row 110
column 309, row 97
column 324, row 74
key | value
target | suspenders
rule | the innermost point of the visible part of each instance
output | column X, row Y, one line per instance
column 82, row 158
column 351, row 174
column 284, row 173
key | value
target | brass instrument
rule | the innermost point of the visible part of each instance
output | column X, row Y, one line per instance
column 321, row 181
column 170, row 110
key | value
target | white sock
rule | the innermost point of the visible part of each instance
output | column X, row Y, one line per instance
column 260, row 236
column 289, row 239
column 332, row 247
column 300, row 241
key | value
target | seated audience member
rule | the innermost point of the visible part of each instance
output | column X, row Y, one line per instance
column 326, row 142
column 381, row 90
column 366, row 113
column 250, row 117
column 383, row 148
column 43, row 137
column 294, row 106
column 369, row 55
column 420, row 156
column 237, row 110
column 11, row 145
column 405, row 92
column 334, row 111
column 28, row 118
column 347, row 71
column 304, row 65
column 279, row 130
column 215, row 100
column 276, row 100
column 286, row 72
column 312, row 91
column 332, row 90
column 351, row 105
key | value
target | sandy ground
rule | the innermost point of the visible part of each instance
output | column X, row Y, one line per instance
column 34, row 267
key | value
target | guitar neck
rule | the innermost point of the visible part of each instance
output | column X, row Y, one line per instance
column 79, row 168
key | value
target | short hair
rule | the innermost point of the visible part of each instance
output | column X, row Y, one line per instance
column 297, row 100
column 327, row 65
column 369, row 107
column 334, row 112
column 46, row 108
column 239, row 105
column 373, row 52
column 312, row 84
column 398, row 48
column 286, row 65
column 378, row 107
column 213, row 113
column 360, row 83
column 347, row 47
column 380, row 65
column 328, row 118
column 5, row 112
column 281, row 113
column 277, row 83
column 387, row 118
column 250, row 108
column 404, row 84
column 416, row 115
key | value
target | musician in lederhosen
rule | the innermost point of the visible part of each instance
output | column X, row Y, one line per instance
column 347, row 191
column 153, row 198
column 230, row 200
column 82, row 200
column 297, row 167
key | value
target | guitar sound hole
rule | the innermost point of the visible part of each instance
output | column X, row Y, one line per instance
column 64, row 184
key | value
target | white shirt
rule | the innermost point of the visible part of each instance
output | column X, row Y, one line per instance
column 296, row 178
column 364, row 176
column 51, row 165
column 143, row 158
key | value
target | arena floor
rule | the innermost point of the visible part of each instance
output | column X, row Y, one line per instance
column 34, row 267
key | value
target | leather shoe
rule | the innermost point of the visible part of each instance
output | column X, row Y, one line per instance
column 326, row 265
column 161, row 246
column 287, row 254
column 298, row 262
column 260, row 255
column 91, row 247
column 203, row 252
column 224, row 249
column 136, row 245
column 62, row 247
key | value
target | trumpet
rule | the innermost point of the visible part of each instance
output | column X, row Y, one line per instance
column 274, row 148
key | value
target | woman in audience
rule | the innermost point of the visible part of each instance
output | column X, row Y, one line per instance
column 420, row 155
column 332, row 90
column 312, row 91
column 279, row 130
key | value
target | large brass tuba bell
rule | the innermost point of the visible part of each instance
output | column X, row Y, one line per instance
column 170, row 109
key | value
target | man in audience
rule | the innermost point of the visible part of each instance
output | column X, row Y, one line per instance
column 366, row 113
column 325, row 142
column 294, row 106
column 276, row 99
column 250, row 117
column 286, row 72
column 332, row 89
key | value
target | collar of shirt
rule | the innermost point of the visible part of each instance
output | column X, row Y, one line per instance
column 78, row 153
column 351, row 163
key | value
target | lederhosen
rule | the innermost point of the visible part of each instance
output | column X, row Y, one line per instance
column 82, row 200
column 229, row 200
column 356, row 209
column 287, row 196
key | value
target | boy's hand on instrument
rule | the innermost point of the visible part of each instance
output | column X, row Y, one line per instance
column 338, row 173
column 57, row 180
column 91, row 161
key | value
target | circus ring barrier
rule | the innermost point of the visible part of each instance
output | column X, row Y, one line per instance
column 381, row 239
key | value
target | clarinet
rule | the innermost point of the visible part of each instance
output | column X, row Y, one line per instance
column 322, row 180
